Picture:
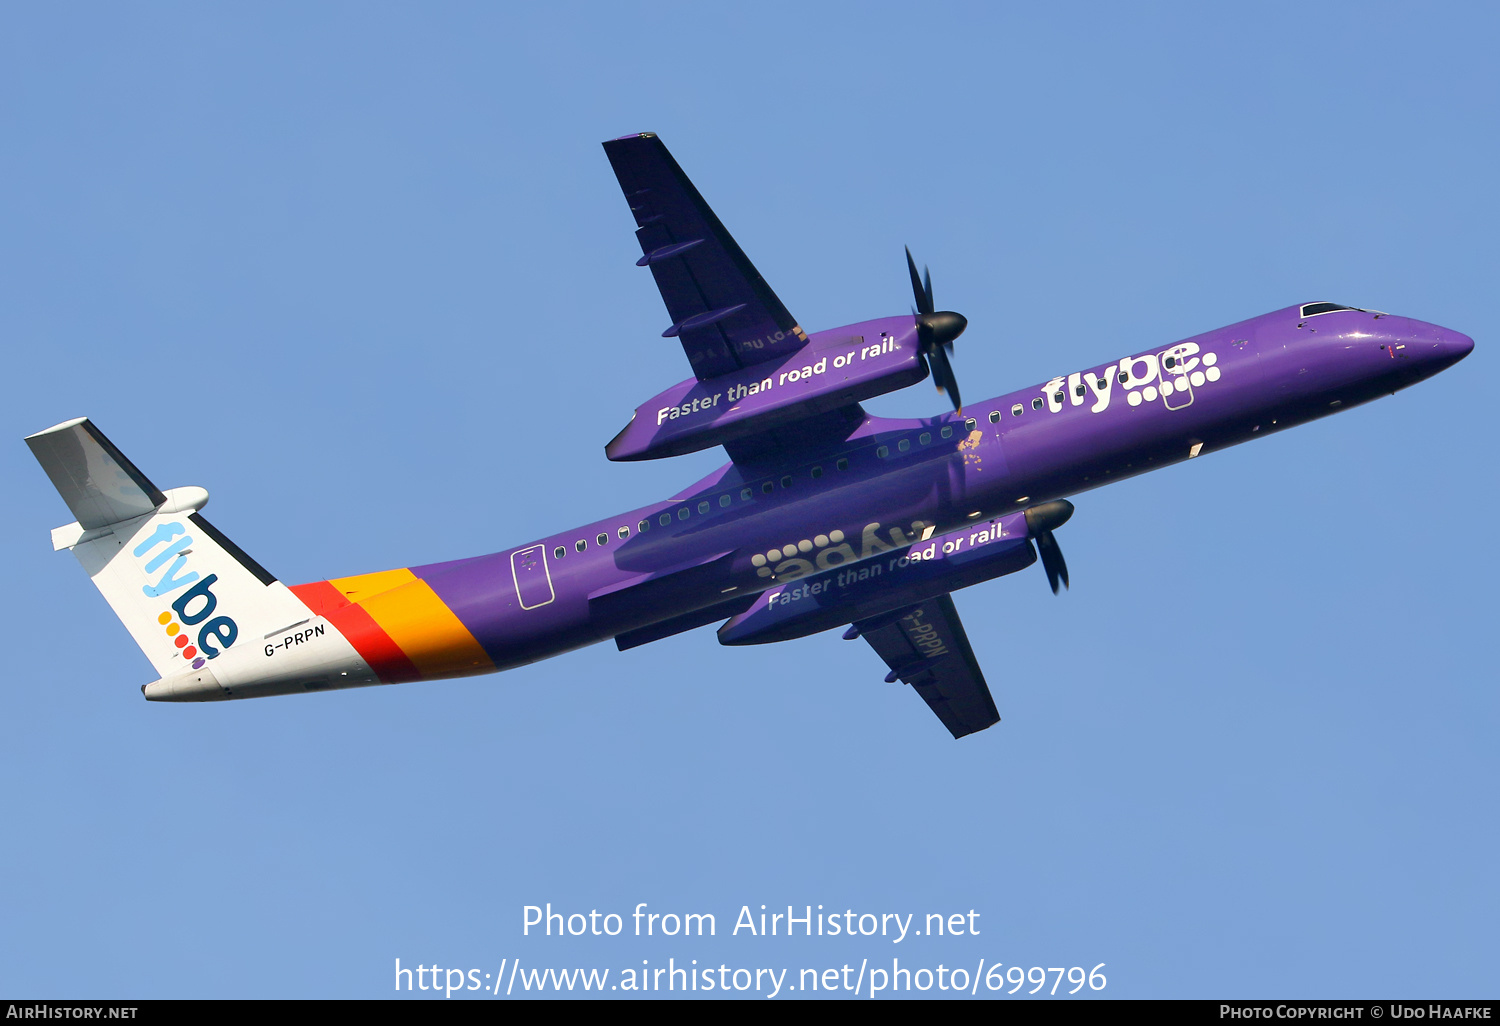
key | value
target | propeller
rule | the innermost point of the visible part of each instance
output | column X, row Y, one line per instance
column 936, row 330
column 1040, row 520
column 1052, row 560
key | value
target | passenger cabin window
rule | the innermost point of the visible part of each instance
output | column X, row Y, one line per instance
column 904, row 444
column 603, row 539
column 581, row 544
column 703, row 506
column 624, row 533
column 745, row 494
column 643, row 527
column 883, row 451
column 970, row 424
column 1017, row 410
column 817, row 472
column 684, row 513
column 1078, row 389
column 1121, row 377
column 842, row 464
column 1036, row 404
column 994, row 416
column 664, row 519
column 559, row 552
column 768, row 487
column 725, row 500
column 947, row 431
column 786, row 482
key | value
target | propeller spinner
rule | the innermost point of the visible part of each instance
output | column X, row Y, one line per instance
column 936, row 330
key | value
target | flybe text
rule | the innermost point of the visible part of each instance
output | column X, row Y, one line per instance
column 1169, row 376
column 165, row 551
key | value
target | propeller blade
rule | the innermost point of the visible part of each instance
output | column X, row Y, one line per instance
column 924, row 296
column 942, row 375
column 1052, row 560
column 936, row 331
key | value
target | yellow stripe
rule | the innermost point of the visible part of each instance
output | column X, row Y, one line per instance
column 357, row 589
column 435, row 640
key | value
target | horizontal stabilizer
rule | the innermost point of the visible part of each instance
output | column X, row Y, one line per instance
column 95, row 479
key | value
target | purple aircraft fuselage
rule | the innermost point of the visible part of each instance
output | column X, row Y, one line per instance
column 744, row 529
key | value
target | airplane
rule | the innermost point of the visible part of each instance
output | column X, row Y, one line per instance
column 825, row 516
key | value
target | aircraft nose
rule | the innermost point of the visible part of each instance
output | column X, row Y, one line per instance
column 1447, row 347
column 1457, row 344
column 1421, row 349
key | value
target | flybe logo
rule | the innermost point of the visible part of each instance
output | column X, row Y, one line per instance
column 174, row 541
column 797, row 559
column 165, row 551
column 1171, row 375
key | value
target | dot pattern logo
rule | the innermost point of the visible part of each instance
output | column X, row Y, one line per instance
column 179, row 638
column 798, row 559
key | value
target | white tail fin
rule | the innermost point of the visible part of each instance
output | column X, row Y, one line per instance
column 183, row 590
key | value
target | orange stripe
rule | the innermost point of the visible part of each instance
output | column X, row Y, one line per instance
column 374, row 645
column 433, row 638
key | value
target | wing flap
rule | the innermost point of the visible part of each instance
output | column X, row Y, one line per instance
column 925, row 646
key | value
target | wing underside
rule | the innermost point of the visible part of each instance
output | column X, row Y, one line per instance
column 722, row 310
column 925, row 646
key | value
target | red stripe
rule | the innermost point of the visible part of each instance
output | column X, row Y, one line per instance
column 319, row 596
column 374, row 646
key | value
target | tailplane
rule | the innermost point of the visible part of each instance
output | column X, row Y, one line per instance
column 186, row 593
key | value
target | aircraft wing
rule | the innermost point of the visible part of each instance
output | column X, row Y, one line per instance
column 722, row 310
column 925, row 646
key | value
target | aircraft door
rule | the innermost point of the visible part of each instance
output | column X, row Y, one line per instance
column 1176, row 386
column 528, row 568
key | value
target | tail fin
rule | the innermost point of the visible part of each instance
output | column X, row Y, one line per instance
column 183, row 590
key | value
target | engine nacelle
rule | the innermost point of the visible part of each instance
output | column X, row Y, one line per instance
column 836, row 367
column 892, row 580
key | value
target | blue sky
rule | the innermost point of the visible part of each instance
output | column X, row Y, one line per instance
column 363, row 272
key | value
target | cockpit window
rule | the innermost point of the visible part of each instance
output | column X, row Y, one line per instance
column 1313, row 309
